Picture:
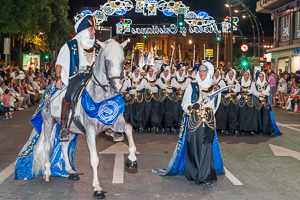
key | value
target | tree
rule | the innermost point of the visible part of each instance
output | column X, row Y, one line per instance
column 61, row 27
column 25, row 17
column 37, row 24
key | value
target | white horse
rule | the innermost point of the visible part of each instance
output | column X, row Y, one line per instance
column 105, row 83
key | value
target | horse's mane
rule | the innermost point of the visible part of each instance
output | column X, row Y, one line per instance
column 109, row 40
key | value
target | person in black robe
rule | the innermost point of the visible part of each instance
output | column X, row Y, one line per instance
column 228, row 113
column 132, row 92
column 152, row 115
column 165, row 105
column 199, row 165
column 247, row 122
column 180, row 83
column 263, row 108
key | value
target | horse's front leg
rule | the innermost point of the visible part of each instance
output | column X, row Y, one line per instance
column 131, row 161
column 91, row 141
column 64, row 147
column 48, row 126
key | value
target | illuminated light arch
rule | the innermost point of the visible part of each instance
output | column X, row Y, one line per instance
column 198, row 22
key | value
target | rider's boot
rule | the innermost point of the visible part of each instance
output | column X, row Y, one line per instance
column 64, row 132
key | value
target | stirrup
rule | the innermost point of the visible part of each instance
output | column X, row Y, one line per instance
column 64, row 135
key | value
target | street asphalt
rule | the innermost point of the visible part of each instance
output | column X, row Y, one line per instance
column 250, row 160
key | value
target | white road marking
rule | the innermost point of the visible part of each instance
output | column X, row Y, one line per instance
column 118, row 176
column 119, row 149
column 4, row 174
column 15, row 126
column 232, row 178
column 288, row 126
column 291, row 124
column 280, row 151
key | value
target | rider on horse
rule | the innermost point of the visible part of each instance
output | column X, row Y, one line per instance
column 73, row 63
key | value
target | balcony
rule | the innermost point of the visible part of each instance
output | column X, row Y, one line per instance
column 266, row 6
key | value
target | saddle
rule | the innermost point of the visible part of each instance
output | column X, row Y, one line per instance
column 75, row 96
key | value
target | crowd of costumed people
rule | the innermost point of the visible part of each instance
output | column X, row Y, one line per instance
column 154, row 94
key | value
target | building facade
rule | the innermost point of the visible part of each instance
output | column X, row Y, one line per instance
column 285, row 15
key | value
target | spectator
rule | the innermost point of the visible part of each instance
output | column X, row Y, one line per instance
column 34, row 96
column 2, row 72
column 282, row 88
column 272, row 82
column 37, row 87
column 13, row 74
column 6, row 105
column 16, row 97
column 37, row 73
column 297, row 78
column 21, row 75
column 23, row 93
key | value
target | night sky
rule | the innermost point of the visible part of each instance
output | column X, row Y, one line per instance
column 214, row 8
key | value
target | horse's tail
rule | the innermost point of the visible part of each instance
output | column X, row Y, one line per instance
column 31, row 159
column 39, row 152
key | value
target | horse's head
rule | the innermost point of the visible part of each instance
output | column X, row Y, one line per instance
column 109, row 65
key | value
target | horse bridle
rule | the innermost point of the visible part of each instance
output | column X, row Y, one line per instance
column 107, row 78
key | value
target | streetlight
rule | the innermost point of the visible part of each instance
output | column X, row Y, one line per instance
column 236, row 11
column 244, row 16
column 231, row 31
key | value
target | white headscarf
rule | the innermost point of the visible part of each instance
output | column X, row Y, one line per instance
column 208, row 80
column 84, row 35
column 162, row 75
column 180, row 78
column 243, row 83
column 153, row 75
column 233, row 78
column 139, row 76
column 217, row 79
column 264, row 81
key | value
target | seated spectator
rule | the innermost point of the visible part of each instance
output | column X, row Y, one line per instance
column 23, row 93
column 30, row 76
column 21, row 75
column 34, row 96
column 41, row 82
column 37, row 87
column 16, row 97
column 293, row 100
column 2, row 71
column 37, row 73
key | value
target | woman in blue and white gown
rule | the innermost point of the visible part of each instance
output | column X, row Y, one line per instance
column 199, row 165
column 197, row 153
column 263, row 107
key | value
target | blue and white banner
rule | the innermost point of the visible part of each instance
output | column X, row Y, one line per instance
column 106, row 111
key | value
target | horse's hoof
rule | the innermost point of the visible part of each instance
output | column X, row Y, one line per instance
column 99, row 194
column 47, row 180
column 74, row 177
column 131, row 165
column 118, row 137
